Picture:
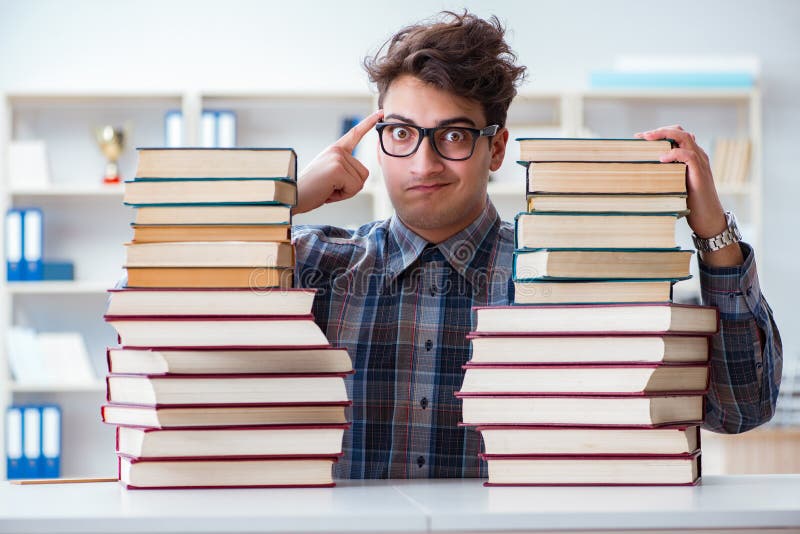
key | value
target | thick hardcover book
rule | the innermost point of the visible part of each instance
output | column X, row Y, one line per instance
column 595, row 230
column 204, row 360
column 585, row 149
column 589, row 348
column 214, row 214
column 580, row 291
column 206, row 416
column 601, row 265
column 297, row 472
column 210, row 301
column 221, row 390
column 543, row 440
column 165, row 233
column 230, row 331
column 576, row 470
column 257, row 278
column 599, row 318
column 627, row 203
column 217, row 163
column 231, row 441
column 210, row 254
column 209, row 191
column 587, row 379
column 598, row 410
column 607, row 178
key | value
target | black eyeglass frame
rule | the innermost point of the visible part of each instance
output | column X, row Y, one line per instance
column 488, row 131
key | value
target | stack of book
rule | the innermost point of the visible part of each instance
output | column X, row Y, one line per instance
column 593, row 375
column 221, row 377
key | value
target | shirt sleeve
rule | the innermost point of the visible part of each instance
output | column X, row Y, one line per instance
column 746, row 353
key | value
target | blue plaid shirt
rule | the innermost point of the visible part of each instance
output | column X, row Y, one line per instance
column 402, row 307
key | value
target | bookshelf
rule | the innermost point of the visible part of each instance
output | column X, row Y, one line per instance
column 86, row 223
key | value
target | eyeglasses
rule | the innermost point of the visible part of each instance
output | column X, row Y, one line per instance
column 455, row 143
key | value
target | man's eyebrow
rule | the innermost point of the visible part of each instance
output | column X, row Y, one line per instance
column 445, row 122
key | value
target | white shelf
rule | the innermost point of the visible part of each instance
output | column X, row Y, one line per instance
column 58, row 287
column 95, row 386
column 670, row 94
column 70, row 191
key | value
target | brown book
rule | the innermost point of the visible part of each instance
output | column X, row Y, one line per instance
column 210, row 277
column 590, row 292
column 209, row 254
column 608, row 203
column 219, row 361
column 560, row 440
column 242, row 441
column 157, row 233
column 595, row 230
column 217, row 163
column 205, row 215
column 180, row 191
column 204, row 416
column 245, row 301
column 606, row 177
column 585, row 149
column 579, row 264
column 644, row 348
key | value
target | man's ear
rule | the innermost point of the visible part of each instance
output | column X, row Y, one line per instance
column 498, row 147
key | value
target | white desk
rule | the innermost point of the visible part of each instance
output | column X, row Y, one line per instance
column 751, row 503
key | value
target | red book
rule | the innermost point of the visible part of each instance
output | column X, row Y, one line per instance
column 217, row 331
column 638, row 379
column 312, row 441
column 266, row 472
column 200, row 416
column 226, row 390
column 587, row 470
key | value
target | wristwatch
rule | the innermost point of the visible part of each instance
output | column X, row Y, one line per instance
column 728, row 236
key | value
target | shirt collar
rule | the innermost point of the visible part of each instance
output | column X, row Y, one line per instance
column 459, row 250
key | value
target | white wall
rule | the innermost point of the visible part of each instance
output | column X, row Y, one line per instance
column 247, row 44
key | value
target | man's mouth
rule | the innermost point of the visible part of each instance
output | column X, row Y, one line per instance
column 428, row 187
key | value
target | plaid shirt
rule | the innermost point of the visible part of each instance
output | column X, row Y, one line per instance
column 402, row 307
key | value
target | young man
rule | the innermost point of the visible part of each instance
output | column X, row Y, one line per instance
column 398, row 293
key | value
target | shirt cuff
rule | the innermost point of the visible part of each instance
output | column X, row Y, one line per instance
column 731, row 289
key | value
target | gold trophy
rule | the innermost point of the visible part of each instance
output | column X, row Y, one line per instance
column 111, row 141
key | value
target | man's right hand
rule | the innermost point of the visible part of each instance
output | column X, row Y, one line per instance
column 335, row 174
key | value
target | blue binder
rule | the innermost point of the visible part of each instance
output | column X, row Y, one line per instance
column 50, row 457
column 15, row 466
column 13, row 248
column 32, row 243
column 31, row 440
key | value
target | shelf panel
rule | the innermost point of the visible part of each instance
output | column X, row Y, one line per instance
column 670, row 94
column 92, row 387
column 58, row 287
column 70, row 191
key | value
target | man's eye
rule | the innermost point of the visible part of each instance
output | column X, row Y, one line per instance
column 399, row 133
column 454, row 136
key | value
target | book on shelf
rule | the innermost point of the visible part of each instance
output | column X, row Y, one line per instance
column 567, row 470
column 201, row 301
column 602, row 318
column 161, row 233
column 262, row 360
column 585, row 379
column 531, row 291
column 558, row 440
column 189, row 390
column 212, row 191
column 238, row 441
column 214, row 214
column 210, row 254
column 24, row 237
column 205, row 415
column 607, row 177
column 624, row 203
column 598, row 348
column 590, row 149
column 595, row 230
column 217, row 331
column 33, row 441
column 600, row 411
column 608, row 264
column 217, row 163
column 210, row 277
column 228, row 473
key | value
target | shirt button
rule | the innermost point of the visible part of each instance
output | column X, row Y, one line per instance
column 421, row 461
column 424, row 402
column 428, row 345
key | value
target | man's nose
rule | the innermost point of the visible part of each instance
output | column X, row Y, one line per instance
column 426, row 161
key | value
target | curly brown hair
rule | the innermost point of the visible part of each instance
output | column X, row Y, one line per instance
column 463, row 54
